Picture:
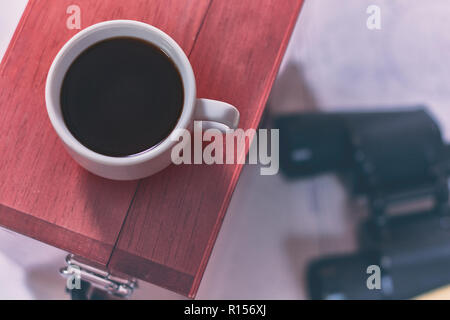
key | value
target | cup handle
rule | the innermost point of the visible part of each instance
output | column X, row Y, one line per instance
column 216, row 112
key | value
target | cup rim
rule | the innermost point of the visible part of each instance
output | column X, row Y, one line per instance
column 184, row 120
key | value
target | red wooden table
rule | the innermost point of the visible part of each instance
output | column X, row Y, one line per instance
column 160, row 229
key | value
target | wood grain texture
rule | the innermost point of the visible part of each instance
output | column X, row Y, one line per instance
column 168, row 232
column 43, row 193
column 176, row 215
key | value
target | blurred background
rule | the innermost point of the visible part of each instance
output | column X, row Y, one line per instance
column 275, row 226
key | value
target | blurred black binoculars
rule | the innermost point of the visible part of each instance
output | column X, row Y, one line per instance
column 398, row 160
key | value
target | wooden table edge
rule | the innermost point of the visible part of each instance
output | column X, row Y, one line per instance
column 10, row 218
column 198, row 276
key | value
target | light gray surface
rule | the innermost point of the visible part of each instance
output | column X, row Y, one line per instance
column 273, row 227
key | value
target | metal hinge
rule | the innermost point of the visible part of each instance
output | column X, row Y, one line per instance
column 77, row 270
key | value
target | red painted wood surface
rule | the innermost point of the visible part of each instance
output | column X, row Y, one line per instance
column 164, row 234
column 176, row 215
column 43, row 193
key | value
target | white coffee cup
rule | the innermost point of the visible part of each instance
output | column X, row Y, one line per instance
column 158, row 157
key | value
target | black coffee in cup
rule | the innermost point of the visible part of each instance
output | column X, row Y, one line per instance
column 122, row 96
